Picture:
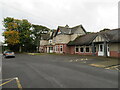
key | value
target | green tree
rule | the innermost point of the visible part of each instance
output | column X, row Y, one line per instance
column 25, row 33
column 37, row 31
column 105, row 29
column 22, row 27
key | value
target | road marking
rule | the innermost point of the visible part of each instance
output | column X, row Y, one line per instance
column 6, row 82
column 6, row 79
column 96, row 65
column 70, row 60
column 18, row 83
column 11, row 79
column 83, row 60
column 114, row 67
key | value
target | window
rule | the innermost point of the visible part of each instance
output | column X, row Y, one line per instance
column 53, row 48
column 87, row 49
column 56, row 48
column 59, row 32
column 81, row 49
column 101, row 48
column 77, row 49
column 50, row 41
column 50, row 48
column 95, row 49
column 61, row 48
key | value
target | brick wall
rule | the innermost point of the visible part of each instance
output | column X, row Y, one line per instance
column 72, row 50
column 66, row 49
column 114, row 54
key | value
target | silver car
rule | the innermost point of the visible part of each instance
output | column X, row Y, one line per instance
column 8, row 54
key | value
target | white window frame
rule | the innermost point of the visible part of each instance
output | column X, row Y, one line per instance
column 87, row 47
column 83, row 49
column 75, row 49
column 56, row 48
column 100, row 48
column 61, row 46
column 50, row 41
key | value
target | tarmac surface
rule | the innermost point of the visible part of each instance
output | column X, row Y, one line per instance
column 55, row 71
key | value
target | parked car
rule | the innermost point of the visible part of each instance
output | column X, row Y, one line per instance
column 8, row 54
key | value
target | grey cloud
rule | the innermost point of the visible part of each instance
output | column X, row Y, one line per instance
column 52, row 13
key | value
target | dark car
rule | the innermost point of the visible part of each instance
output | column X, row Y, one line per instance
column 9, row 54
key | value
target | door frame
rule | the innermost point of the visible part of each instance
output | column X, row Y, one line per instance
column 100, row 53
column 108, row 50
column 61, row 46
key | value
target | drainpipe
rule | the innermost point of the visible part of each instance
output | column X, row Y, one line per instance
column 105, row 49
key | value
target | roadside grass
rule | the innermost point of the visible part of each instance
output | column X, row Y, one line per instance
column 55, row 53
column 43, row 53
column 35, row 53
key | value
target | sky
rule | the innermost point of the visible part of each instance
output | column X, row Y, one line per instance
column 94, row 15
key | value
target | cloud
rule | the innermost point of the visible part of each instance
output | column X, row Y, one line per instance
column 94, row 15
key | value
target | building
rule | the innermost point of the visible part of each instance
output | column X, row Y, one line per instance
column 75, row 40
column 105, row 43
column 82, row 45
column 108, row 43
column 60, row 38
column 43, row 42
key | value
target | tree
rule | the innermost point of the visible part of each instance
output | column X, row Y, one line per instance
column 25, row 33
column 26, row 38
column 20, row 26
column 11, row 37
column 10, row 24
column 105, row 29
column 37, row 31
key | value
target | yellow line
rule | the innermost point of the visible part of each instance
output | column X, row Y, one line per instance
column 96, row 65
column 6, row 82
column 6, row 79
column 18, row 83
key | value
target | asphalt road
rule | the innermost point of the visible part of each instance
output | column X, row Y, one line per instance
column 55, row 71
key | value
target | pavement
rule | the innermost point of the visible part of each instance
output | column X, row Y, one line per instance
column 0, row 69
column 56, row 71
column 102, row 62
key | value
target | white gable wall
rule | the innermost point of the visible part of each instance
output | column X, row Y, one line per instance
column 98, row 39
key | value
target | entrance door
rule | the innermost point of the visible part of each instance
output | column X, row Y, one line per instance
column 101, row 50
column 50, row 49
column 108, row 51
column 61, row 48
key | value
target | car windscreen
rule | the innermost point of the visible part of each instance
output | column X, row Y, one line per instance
column 8, row 52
